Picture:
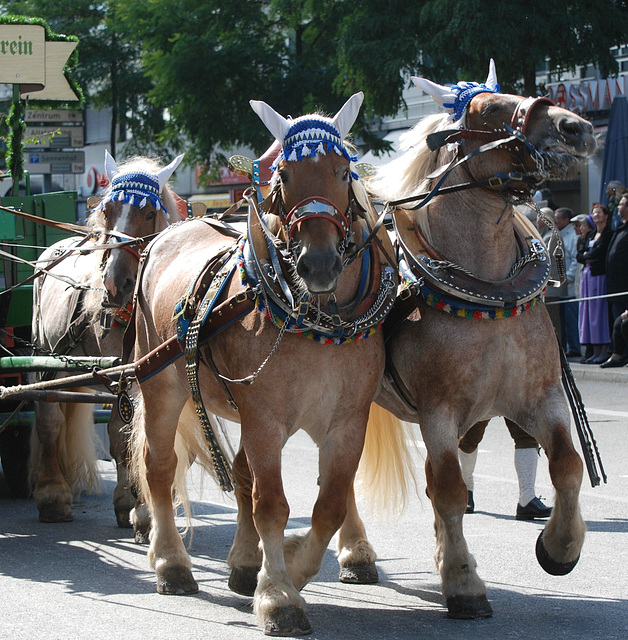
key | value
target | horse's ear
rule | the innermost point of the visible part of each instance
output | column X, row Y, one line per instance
column 491, row 80
column 275, row 123
column 344, row 119
column 166, row 172
column 438, row 92
column 111, row 166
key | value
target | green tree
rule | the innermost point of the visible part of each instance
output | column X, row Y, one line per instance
column 459, row 36
column 108, row 63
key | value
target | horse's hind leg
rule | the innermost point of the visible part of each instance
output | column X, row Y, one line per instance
column 52, row 493
column 123, row 500
column 245, row 557
column 463, row 590
column 356, row 555
column 338, row 462
column 558, row 547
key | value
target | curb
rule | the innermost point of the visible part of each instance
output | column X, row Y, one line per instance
column 592, row 372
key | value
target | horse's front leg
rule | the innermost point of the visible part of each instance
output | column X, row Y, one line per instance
column 156, row 420
column 245, row 557
column 463, row 590
column 279, row 608
column 559, row 545
column 123, row 499
column 52, row 493
column 356, row 555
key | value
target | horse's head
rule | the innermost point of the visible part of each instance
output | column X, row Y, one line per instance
column 136, row 205
column 312, row 183
column 537, row 138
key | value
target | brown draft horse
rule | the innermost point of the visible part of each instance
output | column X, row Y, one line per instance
column 79, row 309
column 297, row 382
column 484, row 345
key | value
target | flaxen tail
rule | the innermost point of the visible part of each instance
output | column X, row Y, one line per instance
column 386, row 472
column 190, row 446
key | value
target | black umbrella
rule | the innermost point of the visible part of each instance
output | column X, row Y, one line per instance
column 615, row 164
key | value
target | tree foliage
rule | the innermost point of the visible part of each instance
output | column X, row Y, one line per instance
column 179, row 73
column 108, row 67
column 459, row 36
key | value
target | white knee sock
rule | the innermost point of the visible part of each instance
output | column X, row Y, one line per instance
column 467, row 466
column 526, row 461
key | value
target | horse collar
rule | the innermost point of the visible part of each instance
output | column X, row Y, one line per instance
column 425, row 268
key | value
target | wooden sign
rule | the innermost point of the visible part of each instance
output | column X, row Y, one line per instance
column 47, row 162
column 28, row 59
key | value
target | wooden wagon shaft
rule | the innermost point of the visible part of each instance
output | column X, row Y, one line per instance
column 44, row 395
column 83, row 380
column 12, row 364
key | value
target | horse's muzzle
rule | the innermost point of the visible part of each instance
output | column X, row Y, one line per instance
column 319, row 270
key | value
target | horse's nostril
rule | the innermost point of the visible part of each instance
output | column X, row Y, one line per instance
column 571, row 127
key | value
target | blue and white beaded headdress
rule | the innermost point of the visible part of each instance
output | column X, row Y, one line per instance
column 455, row 99
column 312, row 134
column 137, row 187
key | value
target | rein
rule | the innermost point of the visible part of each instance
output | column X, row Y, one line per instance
column 503, row 182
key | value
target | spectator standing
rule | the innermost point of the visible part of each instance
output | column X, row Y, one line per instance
column 568, row 310
column 584, row 227
column 614, row 191
column 593, row 312
column 617, row 267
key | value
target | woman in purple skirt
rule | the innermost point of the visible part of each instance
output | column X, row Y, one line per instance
column 593, row 322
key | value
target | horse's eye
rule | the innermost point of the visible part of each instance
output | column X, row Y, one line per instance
column 150, row 215
column 283, row 176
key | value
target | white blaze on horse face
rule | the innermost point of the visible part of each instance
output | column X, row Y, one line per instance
column 120, row 226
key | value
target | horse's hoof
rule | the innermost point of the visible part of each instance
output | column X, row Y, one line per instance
column 551, row 566
column 359, row 574
column 52, row 513
column 243, row 580
column 468, row 607
column 287, row 621
column 123, row 518
column 141, row 537
column 176, row 581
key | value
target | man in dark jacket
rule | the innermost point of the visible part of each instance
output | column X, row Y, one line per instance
column 617, row 278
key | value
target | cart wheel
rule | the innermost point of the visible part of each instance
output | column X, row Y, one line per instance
column 14, row 454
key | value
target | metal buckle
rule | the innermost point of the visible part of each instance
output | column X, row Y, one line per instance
column 242, row 296
column 336, row 319
column 495, row 182
column 405, row 293
column 303, row 308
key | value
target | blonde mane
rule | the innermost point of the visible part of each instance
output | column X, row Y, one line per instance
column 405, row 175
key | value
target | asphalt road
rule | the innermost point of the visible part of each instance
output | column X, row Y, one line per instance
column 88, row 579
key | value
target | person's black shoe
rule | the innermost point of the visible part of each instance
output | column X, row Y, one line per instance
column 470, row 504
column 534, row 509
column 610, row 363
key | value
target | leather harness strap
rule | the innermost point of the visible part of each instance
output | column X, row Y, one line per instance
column 223, row 314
